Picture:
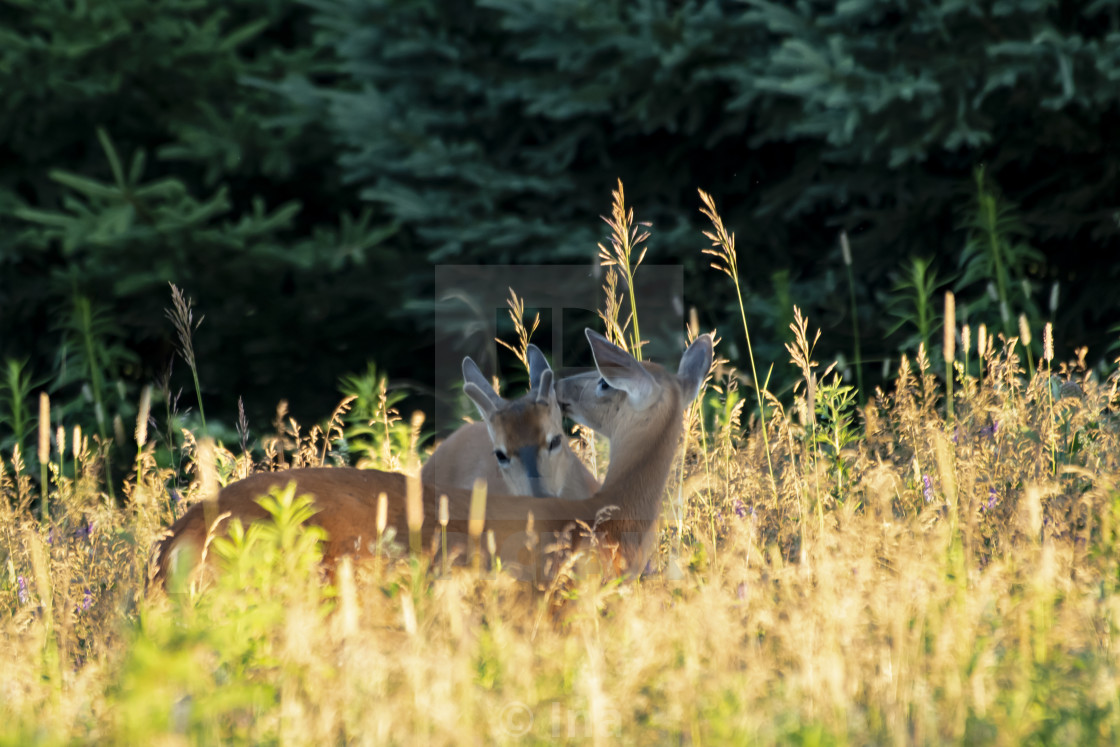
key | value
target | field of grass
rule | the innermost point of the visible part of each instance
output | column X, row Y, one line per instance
column 937, row 565
column 900, row 577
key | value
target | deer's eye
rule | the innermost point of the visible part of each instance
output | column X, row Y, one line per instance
column 554, row 444
column 503, row 458
column 603, row 386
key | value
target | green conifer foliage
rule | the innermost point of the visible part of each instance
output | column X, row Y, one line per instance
column 143, row 143
column 494, row 130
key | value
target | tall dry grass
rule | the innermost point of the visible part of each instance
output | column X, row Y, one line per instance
column 958, row 584
column 879, row 574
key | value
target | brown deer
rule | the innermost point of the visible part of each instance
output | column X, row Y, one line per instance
column 519, row 447
column 637, row 406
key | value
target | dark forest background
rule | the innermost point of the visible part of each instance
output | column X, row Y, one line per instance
column 299, row 169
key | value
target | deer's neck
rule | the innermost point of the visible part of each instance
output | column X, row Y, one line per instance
column 635, row 482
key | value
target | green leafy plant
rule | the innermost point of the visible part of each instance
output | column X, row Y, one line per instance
column 997, row 256
column 913, row 304
column 374, row 427
column 837, row 430
column 16, row 385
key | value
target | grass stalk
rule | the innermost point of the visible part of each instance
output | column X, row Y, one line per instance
column 949, row 348
column 1025, row 338
column 846, row 251
column 182, row 317
column 1047, row 357
column 727, row 262
column 44, row 453
column 626, row 238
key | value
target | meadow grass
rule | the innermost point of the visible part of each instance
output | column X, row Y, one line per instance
column 930, row 581
column 936, row 565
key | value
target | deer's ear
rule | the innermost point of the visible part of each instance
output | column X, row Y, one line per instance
column 479, row 390
column 545, row 391
column 538, row 364
column 695, row 363
column 619, row 369
column 485, row 405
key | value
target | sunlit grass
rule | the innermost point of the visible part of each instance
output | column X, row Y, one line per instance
column 954, row 586
column 940, row 565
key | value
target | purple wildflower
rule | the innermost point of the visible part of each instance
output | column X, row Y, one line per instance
column 990, row 430
column 87, row 600
column 927, row 488
column 23, row 595
column 991, row 499
column 740, row 509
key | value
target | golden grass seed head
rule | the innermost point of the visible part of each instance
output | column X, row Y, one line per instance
column 142, row 415
column 382, row 513
column 207, row 468
column 414, row 507
column 950, row 342
column 1024, row 330
column 982, row 340
column 444, row 514
column 478, row 509
column 845, row 248
column 1048, row 342
column 966, row 339
column 118, row 429
column 44, row 428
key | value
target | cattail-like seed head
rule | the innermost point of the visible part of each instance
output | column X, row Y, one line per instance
column 207, row 468
column 347, row 597
column 1004, row 313
column 382, row 513
column 415, row 423
column 845, row 248
column 76, row 440
column 982, row 340
column 491, row 543
column 1054, row 297
column 950, row 344
column 60, row 441
column 478, row 509
column 966, row 339
column 1024, row 330
column 1048, row 342
column 44, row 428
column 142, row 415
column 414, row 506
column 444, row 514
column 529, row 525
column 118, row 429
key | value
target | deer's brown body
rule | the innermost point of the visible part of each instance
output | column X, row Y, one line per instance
column 637, row 406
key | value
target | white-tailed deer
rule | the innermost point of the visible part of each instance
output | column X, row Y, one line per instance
column 519, row 447
column 638, row 406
